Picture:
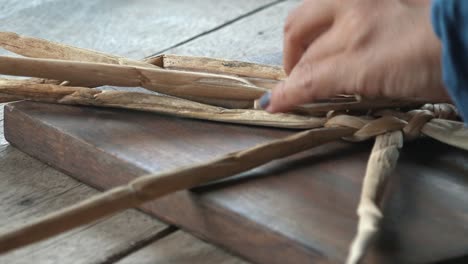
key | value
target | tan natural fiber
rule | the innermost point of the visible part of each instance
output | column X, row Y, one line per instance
column 449, row 132
column 150, row 187
column 381, row 163
column 177, row 83
column 40, row 48
column 260, row 75
column 263, row 73
column 11, row 90
column 215, row 82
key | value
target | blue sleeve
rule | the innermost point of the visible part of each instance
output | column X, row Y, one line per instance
column 450, row 22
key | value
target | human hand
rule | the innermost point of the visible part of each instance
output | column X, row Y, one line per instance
column 375, row 48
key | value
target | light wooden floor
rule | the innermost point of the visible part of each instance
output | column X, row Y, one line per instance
column 139, row 28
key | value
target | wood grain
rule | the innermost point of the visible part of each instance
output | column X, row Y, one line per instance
column 34, row 189
column 177, row 83
column 134, row 29
column 51, row 93
column 303, row 205
column 330, row 185
column 148, row 26
column 222, row 66
column 156, row 185
column 40, row 48
column 256, row 37
column 181, row 248
column 382, row 162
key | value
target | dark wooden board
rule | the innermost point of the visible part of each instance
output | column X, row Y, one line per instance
column 30, row 189
column 297, row 210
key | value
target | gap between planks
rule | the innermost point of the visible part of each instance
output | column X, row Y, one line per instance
column 30, row 206
column 223, row 25
column 171, row 229
column 140, row 245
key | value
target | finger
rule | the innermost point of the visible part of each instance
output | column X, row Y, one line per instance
column 329, row 44
column 303, row 25
column 309, row 82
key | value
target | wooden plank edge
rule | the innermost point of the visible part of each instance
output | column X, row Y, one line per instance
column 220, row 224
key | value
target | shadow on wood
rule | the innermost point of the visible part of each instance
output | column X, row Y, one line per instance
column 297, row 210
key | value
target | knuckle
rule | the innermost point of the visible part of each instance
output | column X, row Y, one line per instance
column 307, row 81
column 292, row 39
column 362, row 27
column 288, row 25
column 290, row 20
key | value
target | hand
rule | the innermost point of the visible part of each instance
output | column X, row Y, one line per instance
column 375, row 48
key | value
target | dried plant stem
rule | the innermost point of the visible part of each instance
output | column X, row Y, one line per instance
column 215, row 82
column 449, row 132
column 15, row 90
column 150, row 187
column 381, row 163
column 362, row 104
column 40, row 48
column 176, row 83
column 239, row 68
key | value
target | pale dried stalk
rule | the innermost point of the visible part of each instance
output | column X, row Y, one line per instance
column 449, row 132
column 150, row 187
column 358, row 104
column 225, row 103
column 176, row 83
column 366, row 128
column 40, row 48
column 150, row 102
column 381, row 164
column 238, row 68
column 266, row 76
column 444, row 129
column 193, row 85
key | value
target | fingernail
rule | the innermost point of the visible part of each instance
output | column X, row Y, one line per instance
column 264, row 101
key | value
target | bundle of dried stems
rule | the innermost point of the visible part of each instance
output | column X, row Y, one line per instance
column 195, row 87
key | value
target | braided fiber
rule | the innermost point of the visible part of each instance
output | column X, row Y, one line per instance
column 215, row 90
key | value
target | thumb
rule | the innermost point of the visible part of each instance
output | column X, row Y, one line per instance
column 306, row 83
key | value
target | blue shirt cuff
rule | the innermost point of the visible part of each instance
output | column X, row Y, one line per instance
column 450, row 23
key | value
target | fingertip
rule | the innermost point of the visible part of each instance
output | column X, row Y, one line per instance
column 269, row 109
column 278, row 99
column 271, row 101
column 264, row 101
column 295, row 90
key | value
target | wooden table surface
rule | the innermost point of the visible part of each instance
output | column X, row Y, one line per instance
column 135, row 29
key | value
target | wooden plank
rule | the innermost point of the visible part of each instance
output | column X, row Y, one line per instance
column 30, row 189
column 255, row 37
column 300, row 209
column 129, row 28
column 181, row 248
column 261, row 213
